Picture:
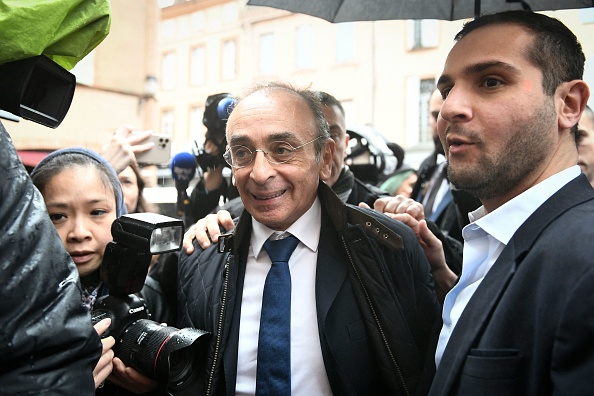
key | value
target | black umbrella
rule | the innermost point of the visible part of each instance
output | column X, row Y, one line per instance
column 374, row 10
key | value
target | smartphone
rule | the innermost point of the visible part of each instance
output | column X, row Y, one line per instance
column 160, row 153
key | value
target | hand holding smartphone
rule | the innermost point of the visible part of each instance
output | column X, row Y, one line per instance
column 160, row 153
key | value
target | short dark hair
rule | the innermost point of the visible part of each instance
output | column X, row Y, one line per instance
column 329, row 100
column 555, row 50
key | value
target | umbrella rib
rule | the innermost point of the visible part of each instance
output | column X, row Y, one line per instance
column 338, row 7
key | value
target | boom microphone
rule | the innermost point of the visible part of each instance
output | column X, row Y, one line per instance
column 183, row 169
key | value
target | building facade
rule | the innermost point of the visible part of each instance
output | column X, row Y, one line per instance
column 383, row 72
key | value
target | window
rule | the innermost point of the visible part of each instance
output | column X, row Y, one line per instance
column 345, row 42
column 228, row 60
column 167, row 122
column 304, row 47
column 266, row 65
column 198, row 66
column 426, row 88
column 418, row 92
column 168, row 74
column 423, row 33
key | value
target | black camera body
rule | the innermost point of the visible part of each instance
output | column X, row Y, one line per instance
column 123, row 312
column 175, row 358
column 216, row 113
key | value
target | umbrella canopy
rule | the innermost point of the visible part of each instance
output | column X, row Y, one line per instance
column 374, row 10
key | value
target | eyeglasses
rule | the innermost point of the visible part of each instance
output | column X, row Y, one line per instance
column 277, row 153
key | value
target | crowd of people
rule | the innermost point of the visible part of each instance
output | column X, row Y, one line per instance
column 468, row 275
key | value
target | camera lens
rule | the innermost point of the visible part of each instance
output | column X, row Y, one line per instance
column 165, row 354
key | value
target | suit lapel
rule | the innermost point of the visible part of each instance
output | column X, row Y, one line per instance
column 330, row 271
column 477, row 313
column 473, row 319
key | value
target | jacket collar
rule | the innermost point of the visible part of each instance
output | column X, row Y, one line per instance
column 480, row 307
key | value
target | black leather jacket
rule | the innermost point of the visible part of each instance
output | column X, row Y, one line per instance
column 389, row 276
column 47, row 343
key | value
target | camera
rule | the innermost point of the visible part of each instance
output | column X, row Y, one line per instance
column 216, row 112
column 173, row 357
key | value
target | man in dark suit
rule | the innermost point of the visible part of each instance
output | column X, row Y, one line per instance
column 520, row 319
column 361, row 305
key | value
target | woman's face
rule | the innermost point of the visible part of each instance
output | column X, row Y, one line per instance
column 129, row 183
column 82, row 209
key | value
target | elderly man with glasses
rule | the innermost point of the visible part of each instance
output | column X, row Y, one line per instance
column 308, row 295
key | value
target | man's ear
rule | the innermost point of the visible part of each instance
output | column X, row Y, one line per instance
column 326, row 159
column 574, row 97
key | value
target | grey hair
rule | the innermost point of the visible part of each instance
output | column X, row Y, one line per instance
column 311, row 98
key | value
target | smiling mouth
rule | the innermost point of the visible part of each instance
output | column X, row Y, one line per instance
column 264, row 198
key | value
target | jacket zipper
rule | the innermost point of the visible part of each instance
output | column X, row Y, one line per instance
column 398, row 371
column 220, row 328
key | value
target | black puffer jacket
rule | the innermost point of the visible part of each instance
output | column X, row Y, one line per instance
column 47, row 343
column 391, row 283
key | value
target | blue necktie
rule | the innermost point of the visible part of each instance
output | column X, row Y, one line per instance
column 273, row 375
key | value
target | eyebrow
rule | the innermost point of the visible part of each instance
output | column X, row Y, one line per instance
column 274, row 137
column 477, row 68
column 64, row 205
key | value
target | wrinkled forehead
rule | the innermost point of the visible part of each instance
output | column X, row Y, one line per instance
column 271, row 114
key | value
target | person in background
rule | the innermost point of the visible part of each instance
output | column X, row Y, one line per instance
column 400, row 182
column 355, row 275
column 444, row 204
column 432, row 183
column 132, row 188
column 343, row 182
column 83, row 197
column 47, row 343
column 520, row 318
column 586, row 144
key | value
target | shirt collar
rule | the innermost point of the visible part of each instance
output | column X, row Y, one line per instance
column 504, row 221
column 306, row 229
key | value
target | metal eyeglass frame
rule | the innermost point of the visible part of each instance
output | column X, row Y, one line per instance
column 229, row 159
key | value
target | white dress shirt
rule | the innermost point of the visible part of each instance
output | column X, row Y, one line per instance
column 484, row 239
column 308, row 374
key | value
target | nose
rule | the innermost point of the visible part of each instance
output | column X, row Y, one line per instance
column 456, row 106
column 79, row 230
column 261, row 169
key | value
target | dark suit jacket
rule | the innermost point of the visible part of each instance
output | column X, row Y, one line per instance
column 388, row 263
column 529, row 328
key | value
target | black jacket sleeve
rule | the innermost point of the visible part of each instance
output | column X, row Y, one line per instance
column 47, row 343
